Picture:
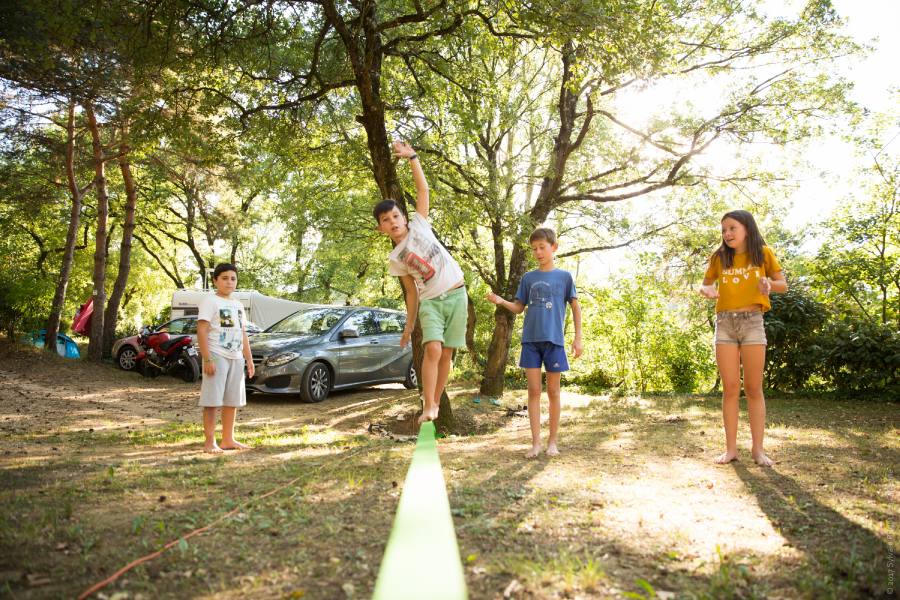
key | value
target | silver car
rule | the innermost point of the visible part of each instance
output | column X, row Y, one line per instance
column 326, row 348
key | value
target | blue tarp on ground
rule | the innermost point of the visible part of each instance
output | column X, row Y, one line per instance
column 65, row 346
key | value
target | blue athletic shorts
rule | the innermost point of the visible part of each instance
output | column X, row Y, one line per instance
column 548, row 354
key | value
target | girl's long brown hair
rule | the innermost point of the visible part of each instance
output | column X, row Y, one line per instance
column 755, row 241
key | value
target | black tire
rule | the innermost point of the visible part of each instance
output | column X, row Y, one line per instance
column 412, row 380
column 190, row 371
column 126, row 358
column 148, row 370
column 316, row 383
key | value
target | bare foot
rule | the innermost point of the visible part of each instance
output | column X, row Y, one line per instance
column 552, row 450
column 534, row 452
column 761, row 459
column 214, row 449
column 429, row 414
column 234, row 445
column 726, row 457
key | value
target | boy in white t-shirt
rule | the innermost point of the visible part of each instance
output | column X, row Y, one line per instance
column 433, row 283
column 225, row 349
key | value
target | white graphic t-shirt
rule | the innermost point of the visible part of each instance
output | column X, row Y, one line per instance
column 226, row 325
column 423, row 257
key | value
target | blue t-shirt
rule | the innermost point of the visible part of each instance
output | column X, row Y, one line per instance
column 545, row 294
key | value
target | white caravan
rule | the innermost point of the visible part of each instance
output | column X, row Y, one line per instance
column 262, row 310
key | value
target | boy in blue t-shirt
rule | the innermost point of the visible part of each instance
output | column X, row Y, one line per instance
column 545, row 292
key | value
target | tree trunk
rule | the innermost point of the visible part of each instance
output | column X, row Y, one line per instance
column 492, row 382
column 366, row 56
column 471, row 322
column 111, row 315
column 95, row 347
column 65, row 271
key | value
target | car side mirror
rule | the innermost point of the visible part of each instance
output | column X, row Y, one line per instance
column 348, row 333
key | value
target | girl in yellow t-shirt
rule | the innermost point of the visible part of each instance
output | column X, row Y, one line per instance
column 746, row 271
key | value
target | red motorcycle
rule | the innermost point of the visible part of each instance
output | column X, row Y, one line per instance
column 161, row 353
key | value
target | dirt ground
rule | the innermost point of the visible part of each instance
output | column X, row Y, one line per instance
column 100, row 467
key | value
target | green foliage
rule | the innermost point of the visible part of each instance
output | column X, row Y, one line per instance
column 861, row 357
column 637, row 338
column 793, row 332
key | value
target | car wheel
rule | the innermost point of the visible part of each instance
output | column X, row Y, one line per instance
column 126, row 358
column 412, row 381
column 316, row 383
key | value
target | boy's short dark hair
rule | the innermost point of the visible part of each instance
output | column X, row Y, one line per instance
column 383, row 207
column 222, row 268
column 542, row 233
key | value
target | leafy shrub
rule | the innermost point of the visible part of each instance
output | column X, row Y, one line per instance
column 794, row 352
column 597, row 380
column 857, row 356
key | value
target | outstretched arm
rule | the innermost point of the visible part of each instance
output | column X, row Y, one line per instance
column 515, row 307
column 404, row 150
column 708, row 290
column 775, row 284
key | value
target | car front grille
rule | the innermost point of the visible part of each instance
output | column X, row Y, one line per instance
column 257, row 359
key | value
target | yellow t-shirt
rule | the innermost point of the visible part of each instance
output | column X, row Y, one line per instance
column 739, row 285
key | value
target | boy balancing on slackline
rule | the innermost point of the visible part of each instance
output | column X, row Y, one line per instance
column 433, row 283
column 545, row 292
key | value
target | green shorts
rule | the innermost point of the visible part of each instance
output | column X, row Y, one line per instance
column 444, row 318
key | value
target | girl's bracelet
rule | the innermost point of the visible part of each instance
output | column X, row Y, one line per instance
column 412, row 156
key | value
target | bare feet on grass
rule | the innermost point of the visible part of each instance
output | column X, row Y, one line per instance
column 726, row 457
column 760, row 458
column 534, row 452
column 212, row 449
column 552, row 450
column 234, row 445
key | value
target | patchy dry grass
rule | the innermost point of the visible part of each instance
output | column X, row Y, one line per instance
column 101, row 467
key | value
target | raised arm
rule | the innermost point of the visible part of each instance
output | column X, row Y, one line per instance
column 404, row 150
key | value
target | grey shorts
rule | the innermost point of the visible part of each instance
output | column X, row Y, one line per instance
column 740, row 328
column 226, row 387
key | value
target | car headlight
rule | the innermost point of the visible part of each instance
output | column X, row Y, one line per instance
column 281, row 359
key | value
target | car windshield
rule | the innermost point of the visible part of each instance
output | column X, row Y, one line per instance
column 313, row 321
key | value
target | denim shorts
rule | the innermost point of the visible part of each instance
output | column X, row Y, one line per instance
column 740, row 328
column 552, row 356
column 444, row 318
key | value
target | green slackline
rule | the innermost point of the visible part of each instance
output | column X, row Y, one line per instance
column 422, row 559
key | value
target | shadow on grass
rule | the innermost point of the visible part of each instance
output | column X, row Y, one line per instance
column 851, row 560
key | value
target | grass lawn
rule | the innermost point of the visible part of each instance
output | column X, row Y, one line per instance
column 101, row 467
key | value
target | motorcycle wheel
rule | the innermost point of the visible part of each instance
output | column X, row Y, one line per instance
column 190, row 372
column 148, row 370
